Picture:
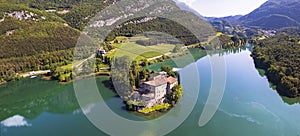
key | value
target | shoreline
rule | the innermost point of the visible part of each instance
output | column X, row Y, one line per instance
column 3, row 83
column 35, row 73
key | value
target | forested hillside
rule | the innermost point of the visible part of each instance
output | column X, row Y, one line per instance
column 293, row 31
column 159, row 25
column 32, row 39
column 279, row 56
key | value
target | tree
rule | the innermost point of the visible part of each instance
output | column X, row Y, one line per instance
column 177, row 92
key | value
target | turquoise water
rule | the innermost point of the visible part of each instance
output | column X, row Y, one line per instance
column 32, row 107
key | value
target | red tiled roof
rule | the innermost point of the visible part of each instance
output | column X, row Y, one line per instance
column 171, row 80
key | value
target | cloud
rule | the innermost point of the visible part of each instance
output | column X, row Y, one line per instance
column 15, row 121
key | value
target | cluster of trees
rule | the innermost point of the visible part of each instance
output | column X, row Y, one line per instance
column 138, row 73
column 229, row 42
column 63, row 74
column 279, row 56
column 176, row 94
column 66, row 73
column 49, row 60
column 170, row 71
column 135, row 105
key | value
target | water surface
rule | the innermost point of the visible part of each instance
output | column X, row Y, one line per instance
column 33, row 107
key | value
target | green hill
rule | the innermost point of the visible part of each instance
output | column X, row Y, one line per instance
column 32, row 39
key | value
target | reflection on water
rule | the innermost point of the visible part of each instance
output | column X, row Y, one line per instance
column 249, row 107
column 15, row 121
column 31, row 97
column 291, row 101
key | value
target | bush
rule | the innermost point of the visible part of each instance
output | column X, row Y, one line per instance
column 158, row 107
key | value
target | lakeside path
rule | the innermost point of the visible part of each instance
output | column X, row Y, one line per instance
column 34, row 73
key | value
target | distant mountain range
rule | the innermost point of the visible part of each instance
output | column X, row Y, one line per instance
column 274, row 14
column 231, row 19
column 185, row 7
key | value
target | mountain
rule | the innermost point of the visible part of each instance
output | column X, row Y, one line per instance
column 185, row 7
column 274, row 14
column 231, row 19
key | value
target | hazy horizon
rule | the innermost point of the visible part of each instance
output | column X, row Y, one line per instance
column 223, row 8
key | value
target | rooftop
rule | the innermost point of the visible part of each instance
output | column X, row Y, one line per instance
column 158, row 81
column 161, row 80
column 171, row 80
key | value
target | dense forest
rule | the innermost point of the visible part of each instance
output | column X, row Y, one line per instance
column 293, row 31
column 28, row 39
column 279, row 56
column 32, row 39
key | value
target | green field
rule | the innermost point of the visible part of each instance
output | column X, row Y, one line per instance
column 138, row 52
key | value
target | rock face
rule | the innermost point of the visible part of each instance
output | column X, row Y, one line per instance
column 274, row 14
column 25, row 15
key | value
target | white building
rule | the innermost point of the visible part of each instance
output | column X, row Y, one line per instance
column 158, row 86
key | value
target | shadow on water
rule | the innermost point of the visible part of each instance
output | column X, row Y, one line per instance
column 290, row 101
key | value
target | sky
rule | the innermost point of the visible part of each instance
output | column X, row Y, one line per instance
column 222, row 8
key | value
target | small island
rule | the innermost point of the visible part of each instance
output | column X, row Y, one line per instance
column 159, row 93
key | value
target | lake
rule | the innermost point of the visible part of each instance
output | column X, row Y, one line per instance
column 32, row 107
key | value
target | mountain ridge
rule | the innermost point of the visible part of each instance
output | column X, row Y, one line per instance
column 282, row 12
column 185, row 7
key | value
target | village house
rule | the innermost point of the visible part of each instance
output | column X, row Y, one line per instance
column 100, row 52
column 155, row 90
